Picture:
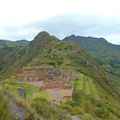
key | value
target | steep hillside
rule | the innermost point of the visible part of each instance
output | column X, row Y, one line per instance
column 106, row 54
column 10, row 52
column 34, row 48
column 93, row 98
column 97, row 46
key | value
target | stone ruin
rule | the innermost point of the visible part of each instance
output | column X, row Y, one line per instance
column 53, row 79
column 46, row 74
column 32, row 74
column 21, row 92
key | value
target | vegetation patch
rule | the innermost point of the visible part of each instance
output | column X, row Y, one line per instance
column 86, row 85
column 42, row 94
column 13, row 87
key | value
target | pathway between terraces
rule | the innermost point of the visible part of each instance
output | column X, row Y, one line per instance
column 17, row 111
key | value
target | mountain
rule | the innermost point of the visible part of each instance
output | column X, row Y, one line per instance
column 10, row 52
column 97, row 46
column 9, row 43
column 22, row 42
column 93, row 96
column 106, row 54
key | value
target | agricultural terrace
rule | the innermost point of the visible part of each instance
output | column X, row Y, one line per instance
column 86, row 85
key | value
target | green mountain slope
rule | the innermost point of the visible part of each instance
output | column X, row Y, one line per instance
column 99, row 47
column 93, row 97
column 10, row 52
column 106, row 54
column 8, row 43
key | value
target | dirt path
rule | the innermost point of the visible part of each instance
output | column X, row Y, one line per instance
column 55, row 93
column 18, row 111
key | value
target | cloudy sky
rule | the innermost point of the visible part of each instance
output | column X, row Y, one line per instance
column 23, row 19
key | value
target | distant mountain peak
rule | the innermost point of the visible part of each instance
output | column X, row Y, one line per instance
column 42, row 34
column 41, row 40
column 87, row 39
column 72, row 35
column 22, row 42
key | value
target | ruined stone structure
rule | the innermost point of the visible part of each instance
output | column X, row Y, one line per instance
column 51, row 79
column 67, row 94
column 32, row 74
column 57, row 95
column 52, row 85
column 46, row 74
column 21, row 92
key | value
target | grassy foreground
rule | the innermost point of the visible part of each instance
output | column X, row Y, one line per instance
column 88, row 101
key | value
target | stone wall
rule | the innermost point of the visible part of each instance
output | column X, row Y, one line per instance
column 46, row 74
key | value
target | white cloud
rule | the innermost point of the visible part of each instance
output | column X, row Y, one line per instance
column 115, row 39
column 17, row 14
column 2, row 31
column 26, row 31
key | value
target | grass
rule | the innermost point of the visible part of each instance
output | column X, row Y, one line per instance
column 13, row 87
column 16, row 84
column 70, row 84
column 92, row 89
column 86, row 85
column 79, row 85
column 5, row 112
column 43, row 94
